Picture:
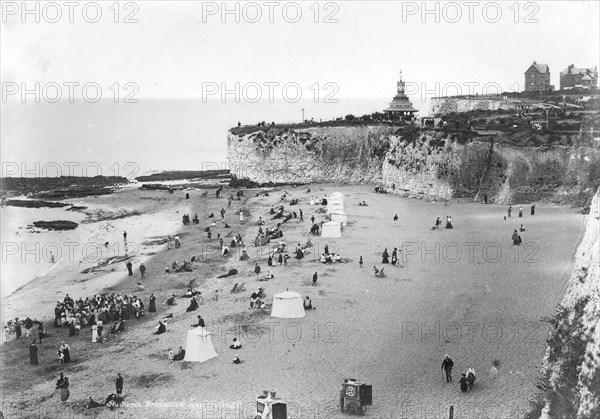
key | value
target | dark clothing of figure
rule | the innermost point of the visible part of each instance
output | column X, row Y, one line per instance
column 533, row 210
column 200, row 322
column 130, row 268
column 161, row 329
column 119, row 385
column 464, row 384
column 18, row 330
column 385, row 256
column 314, row 281
column 447, row 366
column 152, row 305
column 33, row 354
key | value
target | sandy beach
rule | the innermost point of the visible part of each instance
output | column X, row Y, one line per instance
column 466, row 292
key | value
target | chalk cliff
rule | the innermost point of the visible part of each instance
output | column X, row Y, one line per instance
column 429, row 164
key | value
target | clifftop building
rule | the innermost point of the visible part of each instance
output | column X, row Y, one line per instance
column 584, row 78
column 537, row 78
column 400, row 104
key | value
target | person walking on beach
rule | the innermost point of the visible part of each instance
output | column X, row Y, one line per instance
column 119, row 384
column 130, row 268
column 314, row 281
column 447, row 365
column 520, row 211
column 509, row 211
column 33, row 353
column 533, row 210
column 169, row 239
column 301, row 215
column 142, row 270
column 360, row 262
column 152, row 305
column 18, row 330
column 223, row 214
column 257, row 269
column 312, row 219
column 125, row 237
column 396, row 220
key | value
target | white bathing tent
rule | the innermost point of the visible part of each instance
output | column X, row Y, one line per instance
column 199, row 347
column 287, row 305
column 331, row 229
column 339, row 217
column 336, row 198
column 335, row 208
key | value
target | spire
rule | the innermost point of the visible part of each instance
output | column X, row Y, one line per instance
column 400, row 84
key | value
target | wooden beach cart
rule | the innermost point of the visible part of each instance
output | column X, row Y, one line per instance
column 355, row 397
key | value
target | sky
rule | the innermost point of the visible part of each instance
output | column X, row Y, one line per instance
column 160, row 83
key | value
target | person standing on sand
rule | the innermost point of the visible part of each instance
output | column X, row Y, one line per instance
column 152, row 305
column 533, row 210
column 509, row 211
column 520, row 211
column 142, row 269
column 169, row 242
column 396, row 220
column 125, row 237
column 33, row 353
column 360, row 262
column 312, row 219
column 314, row 281
column 257, row 269
column 119, row 384
column 301, row 215
column 447, row 365
column 18, row 328
column 129, row 268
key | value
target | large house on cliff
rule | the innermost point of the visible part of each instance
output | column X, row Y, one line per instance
column 584, row 78
column 537, row 78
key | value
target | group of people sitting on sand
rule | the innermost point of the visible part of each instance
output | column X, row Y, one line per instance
column 184, row 267
column 256, row 299
column 301, row 250
column 98, row 311
column 179, row 356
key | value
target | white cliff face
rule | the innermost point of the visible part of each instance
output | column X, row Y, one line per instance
column 434, row 165
column 585, row 281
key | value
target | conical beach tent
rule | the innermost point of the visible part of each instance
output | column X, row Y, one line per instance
column 287, row 305
column 199, row 347
column 339, row 217
column 331, row 229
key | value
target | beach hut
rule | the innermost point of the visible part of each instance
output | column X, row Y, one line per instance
column 334, row 208
column 331, row 229
column 199, row 347
column 339, row 217
column 287, row 305
column 336, row 198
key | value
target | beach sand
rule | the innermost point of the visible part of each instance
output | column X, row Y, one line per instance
column 484, row 304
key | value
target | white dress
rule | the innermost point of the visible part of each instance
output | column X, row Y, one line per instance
column 94, row 333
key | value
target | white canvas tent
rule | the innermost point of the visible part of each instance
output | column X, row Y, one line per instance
column 339, row 217
column 199, row 347
column 336, row 198
column 331, row 229
column 335, row 208
column 287, row 305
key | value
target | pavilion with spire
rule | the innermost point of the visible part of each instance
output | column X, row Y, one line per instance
column 401, row 105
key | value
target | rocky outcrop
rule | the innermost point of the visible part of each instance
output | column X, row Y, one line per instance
column 330, row 154
column 572, row 370
column 429, row 164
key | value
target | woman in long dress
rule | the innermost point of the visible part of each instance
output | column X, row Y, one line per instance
column 152, row 305
column 64, row 390
column 385, row 256
column 66, row 350
column 94, row 333
column 33, row 353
